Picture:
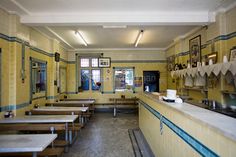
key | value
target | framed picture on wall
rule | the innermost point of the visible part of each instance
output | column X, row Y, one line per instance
column 195, row 50
column 232, row 55
column 171, row 63
column 104, row 62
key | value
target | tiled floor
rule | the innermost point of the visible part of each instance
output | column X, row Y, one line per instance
column 105, row 136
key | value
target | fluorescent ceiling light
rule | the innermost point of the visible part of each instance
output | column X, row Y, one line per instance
column 138, row 38
column 81, row 38
column 114, row 26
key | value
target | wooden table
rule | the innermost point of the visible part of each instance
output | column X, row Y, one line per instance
column 122, row 101
column 25, row 143
column 43, row 119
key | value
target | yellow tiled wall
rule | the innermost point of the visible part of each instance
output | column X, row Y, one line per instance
column 15, row 93
column 225, row 24
column 108, row 80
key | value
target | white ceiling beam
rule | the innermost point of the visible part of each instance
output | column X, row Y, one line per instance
column 59, row 37
column 158, row 18
column 20, row 7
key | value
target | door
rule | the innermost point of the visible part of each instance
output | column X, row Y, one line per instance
column 151, row 81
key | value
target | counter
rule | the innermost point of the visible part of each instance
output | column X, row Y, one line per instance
column 173, row 129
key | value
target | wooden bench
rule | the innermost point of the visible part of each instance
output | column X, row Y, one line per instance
column 91, row 106
column 33, row 127
column 86, row 115
column 32, row 112
column 122, row 101
column 49, row 152
column 75, row 99
column 52, row 128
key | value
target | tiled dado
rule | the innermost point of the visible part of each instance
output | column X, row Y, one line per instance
column 25, row 104
column 191, row 141
column 14, row 107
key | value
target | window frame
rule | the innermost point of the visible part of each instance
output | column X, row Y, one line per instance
column 31, row 80
column 90, row 68
column 125, row 90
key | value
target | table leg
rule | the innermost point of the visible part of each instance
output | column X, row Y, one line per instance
column 82, row 119
column 114, row 111
column 34, row 154
column 66, row 136
column 93, row 107
column 66, row 133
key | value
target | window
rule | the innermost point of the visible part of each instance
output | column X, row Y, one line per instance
column 124, row 79
column 94, row 62
column 96, row 79
column 38, row 78
column 85, row 79
column 84, row 62
column 90, row 74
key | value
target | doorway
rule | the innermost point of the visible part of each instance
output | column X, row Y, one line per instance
column 151, row 81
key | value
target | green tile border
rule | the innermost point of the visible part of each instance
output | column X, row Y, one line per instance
column 218, row 38
column 190, row 140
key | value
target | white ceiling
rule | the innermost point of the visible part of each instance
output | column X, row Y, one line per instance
column 99, row 37
column 162, row 20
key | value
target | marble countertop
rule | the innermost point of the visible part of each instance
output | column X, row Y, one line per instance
column 25, row 143
column 70, row 109
column 40, row 119
column 220, row 123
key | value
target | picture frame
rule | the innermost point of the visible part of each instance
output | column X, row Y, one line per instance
column 171, row 63
column 213, row 56
column 104, row 62
column 195, row 50
column 232, row 55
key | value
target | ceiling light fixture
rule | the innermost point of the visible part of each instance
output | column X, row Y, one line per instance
column 138, row 38
column 81, row 38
